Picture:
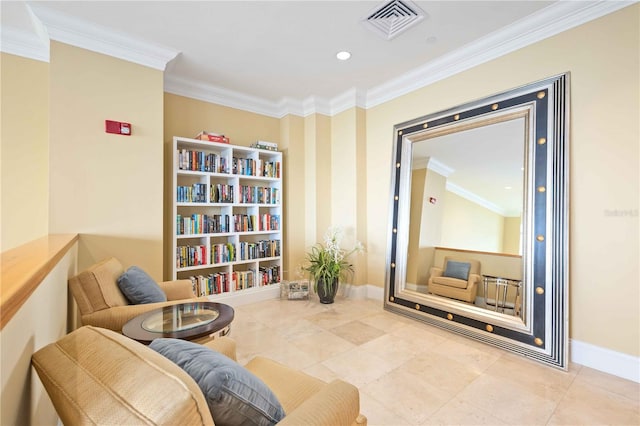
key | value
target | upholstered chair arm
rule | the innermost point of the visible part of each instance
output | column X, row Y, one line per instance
column 435, row 272
column 116, row 317
column 335, row 404
column 223, row 345
column 474, row 278
column 177, row 290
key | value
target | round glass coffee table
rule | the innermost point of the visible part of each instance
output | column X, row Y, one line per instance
column 196, row 321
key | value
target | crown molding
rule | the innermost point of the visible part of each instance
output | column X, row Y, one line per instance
column 25, row 44
column 439, row 167
column 552, row 20
column 458, row 190
column 218, row 95
column 65, row 29
column 547, row 22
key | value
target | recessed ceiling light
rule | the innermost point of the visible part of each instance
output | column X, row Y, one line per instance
column 343, row 56
column 507, row 187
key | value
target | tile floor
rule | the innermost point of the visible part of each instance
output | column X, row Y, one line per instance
column 410, row 373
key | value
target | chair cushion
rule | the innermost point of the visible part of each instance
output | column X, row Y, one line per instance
column 234, row 395
column 450, row 282
column 139, row 288
column 97, row 376
column 459, row 270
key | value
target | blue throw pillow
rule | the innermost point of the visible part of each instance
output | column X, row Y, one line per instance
column 139, row 288
column 234, row 395
column 459, row 270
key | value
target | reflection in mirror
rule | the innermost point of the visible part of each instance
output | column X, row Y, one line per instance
column 466, row 204
column 478, row 233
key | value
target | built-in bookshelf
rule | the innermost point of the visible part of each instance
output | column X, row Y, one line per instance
column 227, row 217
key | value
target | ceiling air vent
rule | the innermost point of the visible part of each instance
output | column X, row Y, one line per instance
column 393, row 17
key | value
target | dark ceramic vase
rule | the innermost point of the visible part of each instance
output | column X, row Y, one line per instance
column 327, row 294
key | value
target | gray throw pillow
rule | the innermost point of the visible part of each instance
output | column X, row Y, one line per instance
column 459, row 270
column 234, row 395
column 139, row 288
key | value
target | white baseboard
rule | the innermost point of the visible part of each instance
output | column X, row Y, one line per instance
column 250, row 295
column 605, row 360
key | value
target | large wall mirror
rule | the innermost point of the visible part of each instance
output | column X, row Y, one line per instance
column 478, row 232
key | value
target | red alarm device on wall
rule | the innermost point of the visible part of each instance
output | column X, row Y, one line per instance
column 117, row 127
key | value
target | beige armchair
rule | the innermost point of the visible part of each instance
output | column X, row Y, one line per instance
column 452, row 287
column 102, row 304
column 96, row 376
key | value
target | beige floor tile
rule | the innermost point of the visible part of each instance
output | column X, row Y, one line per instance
column 588, row 404
column 458, row 412
column 510, row 402
column 394, row 350
column 441, row 372
column 544, row 381
column 478, row 359
column 614, row 384
column 357, row 332
column 412, row 373
column 378, row 414
column 323, row 345
column 403, row 393
column 357, row 366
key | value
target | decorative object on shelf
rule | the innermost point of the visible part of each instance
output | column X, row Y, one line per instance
column 212, row 137
column 328, row 263
column 294, row 290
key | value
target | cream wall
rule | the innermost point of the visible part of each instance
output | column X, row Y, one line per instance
column 106, row 187
column 24, row 164
column 604, row 136
column 467, row 225
column 41, row 320
column 511, row 235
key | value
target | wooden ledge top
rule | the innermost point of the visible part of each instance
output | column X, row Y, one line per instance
column 24, row 268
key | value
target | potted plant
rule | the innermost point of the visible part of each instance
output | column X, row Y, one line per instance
column 328, row 263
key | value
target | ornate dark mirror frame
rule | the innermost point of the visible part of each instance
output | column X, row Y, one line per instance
column 542, row 332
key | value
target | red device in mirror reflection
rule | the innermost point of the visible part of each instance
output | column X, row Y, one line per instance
column 432, row 200
column 117, row 127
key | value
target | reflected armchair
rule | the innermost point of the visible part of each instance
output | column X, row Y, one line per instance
column 102, row 304
column 457, row 279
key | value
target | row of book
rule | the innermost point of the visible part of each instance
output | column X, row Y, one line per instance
column 221, row 193
column 218, row 223
column 191, row 256
column 196, row 255
column 270, row 146
column 223, row 282
column 251, row 167
column 199, row 161
column 196, row 193
column 259, row 195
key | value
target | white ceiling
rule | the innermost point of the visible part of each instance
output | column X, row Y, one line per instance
column 278, row 57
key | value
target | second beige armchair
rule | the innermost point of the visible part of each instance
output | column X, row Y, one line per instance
column 457, row 279
column 102, row 304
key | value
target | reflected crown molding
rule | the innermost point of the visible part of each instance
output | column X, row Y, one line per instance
column 458, row 190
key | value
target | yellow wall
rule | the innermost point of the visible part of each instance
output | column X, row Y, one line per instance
column 511, row 235
column 24, row 165
column 604, row 137
column 106, row 187
column 467, row 225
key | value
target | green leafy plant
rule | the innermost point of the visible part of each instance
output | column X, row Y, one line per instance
column 328, row 262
